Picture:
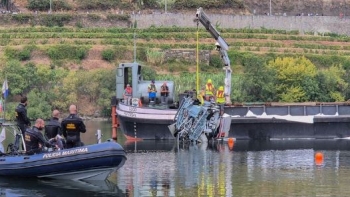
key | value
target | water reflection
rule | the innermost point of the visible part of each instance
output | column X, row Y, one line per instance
column 244, row 168
column 249, row 168
column 41, row 187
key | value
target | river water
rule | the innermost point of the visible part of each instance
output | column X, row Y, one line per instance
column 244, row 168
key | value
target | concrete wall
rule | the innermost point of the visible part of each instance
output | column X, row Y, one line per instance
column 320, row 24
column 187, row 55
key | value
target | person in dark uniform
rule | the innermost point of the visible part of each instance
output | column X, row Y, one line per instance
column 72, row 126
column 34, row 139
column 23, row 121
column 53, row 129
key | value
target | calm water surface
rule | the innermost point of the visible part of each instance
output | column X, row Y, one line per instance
column 248, row 168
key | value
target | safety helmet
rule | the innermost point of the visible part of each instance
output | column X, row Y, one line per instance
column 209, row 81
column 221, row 88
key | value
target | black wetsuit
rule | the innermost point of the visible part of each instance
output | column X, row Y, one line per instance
column 72, row 126
column 52, row 128
column 23, row 121
column 32, row 139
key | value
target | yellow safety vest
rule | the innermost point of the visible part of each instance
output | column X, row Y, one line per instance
column 220, row 97
column 209, row 89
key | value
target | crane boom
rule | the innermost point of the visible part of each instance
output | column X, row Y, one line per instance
column 221, row 46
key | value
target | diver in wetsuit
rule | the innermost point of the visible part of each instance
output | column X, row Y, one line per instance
column 72, row 126
column 34, row 139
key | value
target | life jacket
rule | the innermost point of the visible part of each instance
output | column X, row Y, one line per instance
column 220, row 97
column 209, row 89
column 128, row 91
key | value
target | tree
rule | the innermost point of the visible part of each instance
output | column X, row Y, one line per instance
column 294, row 77
column 17, row 76
column 333, row 84
column 258, row 80
column 39, row 107
column 66, row 91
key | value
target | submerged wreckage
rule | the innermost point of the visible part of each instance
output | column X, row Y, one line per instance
column 200, row 122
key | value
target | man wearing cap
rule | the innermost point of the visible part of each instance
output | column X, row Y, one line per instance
column 152, row 92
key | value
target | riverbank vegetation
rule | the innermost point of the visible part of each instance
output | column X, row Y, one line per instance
column 56, row 66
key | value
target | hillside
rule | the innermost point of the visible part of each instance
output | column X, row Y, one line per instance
column 88, row 40
column 278, row 7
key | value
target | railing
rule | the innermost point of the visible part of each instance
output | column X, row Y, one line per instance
column 15, row 146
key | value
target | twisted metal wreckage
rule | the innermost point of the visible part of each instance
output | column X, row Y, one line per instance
column 200, row 123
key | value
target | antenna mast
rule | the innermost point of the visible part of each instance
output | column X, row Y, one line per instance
column 134, row 26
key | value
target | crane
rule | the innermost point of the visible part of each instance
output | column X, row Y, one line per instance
column 222, row 47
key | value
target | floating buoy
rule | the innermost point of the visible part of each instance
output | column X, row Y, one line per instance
column 231, row 143
column 319, row 158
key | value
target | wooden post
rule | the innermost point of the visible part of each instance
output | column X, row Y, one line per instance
column 114, row 123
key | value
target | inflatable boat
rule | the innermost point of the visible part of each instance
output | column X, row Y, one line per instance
column 91, row 162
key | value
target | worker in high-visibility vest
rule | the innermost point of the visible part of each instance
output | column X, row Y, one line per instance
column 220, row 96
column 220, row 99
column 209, row 90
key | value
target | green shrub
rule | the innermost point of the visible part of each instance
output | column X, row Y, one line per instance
column 61, row 52
column 22, row 18
column 93, row 17
column 60, row 5
column 215, row 61
column 98, row 4
column 38, row 5
column 44, row 5
column 108, row 55
column 154, row 57
column 117, row 17
column 51, row 20
column 22, row 55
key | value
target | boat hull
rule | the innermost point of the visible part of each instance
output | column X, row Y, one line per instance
column 91, row 162
column 249, row 122
column 145, row 129
column 145, row 123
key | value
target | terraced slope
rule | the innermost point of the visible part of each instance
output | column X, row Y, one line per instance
column 96, row 40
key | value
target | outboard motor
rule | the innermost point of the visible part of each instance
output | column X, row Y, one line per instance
column 14, row 148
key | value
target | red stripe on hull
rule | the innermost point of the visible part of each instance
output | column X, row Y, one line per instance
column 133, row 139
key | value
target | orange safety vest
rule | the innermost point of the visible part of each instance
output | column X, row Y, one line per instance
column 209, row 89
column 220, row 97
